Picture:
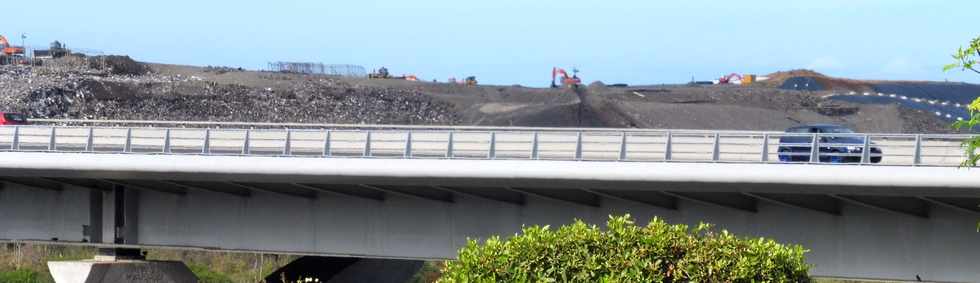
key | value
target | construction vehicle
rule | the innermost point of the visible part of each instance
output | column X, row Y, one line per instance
column 566, row 81
column 11, row 54
column 732, row 78
column 471, row 81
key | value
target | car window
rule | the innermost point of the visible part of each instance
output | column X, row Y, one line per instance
column 799, row 130
column 836, row 130
column 15, row 117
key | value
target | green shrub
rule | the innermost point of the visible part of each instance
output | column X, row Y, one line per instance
column 624, row 252
column 20, row 276
column 205, row 275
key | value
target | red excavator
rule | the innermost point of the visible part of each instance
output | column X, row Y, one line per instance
column 566, row 81
column 730, row 78
column 10, row 54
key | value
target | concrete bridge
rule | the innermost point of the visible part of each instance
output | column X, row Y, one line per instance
column 419, row 192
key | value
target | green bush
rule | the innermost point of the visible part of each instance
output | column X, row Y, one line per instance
column 20, row 276
column 624, row 252
column 205, row 275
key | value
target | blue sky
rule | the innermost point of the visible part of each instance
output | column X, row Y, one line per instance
column 518, row 41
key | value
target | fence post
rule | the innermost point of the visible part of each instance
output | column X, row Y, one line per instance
column 367, row 144
column 246, row 146
column 52, row 144
column 408, row 145
column 716, row 150
column 15, row 143
column 90, row 142
column 815, row 149
column 578, row 147
column 166, row 141
column 492, row 153
column 326, row 144
column 449, row 146
column 287, row 148
column 206, row 148
column 866, row 150
column 622, row 148
column 534, row 147
column 765, row 148
column 917, row 156
column 668, row 145
column 129, row 141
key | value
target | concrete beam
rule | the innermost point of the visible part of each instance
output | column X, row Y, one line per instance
column 83, row 183
column 418, row 192
column 909, row 206
column 494, row 194
column 34, row 183
column 651, row 198
column 150, row 186
column 967, row 205
column 572, row 196
column 816, row 203
column 345, row 190
column 734, row 201
column 212, row 187
column 282, row 189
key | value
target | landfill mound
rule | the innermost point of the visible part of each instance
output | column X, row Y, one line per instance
column 72, row 87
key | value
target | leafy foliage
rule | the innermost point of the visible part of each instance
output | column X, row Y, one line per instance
column 20, row 276
column 966, row 59
column 625, row 252
column 206, row 275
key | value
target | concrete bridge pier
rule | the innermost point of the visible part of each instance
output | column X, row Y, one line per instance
column 120, row 266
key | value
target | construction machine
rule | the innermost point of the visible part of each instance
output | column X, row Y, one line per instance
column 732, row 78
column 566, row 81
column 471, row 81
column 11, row 54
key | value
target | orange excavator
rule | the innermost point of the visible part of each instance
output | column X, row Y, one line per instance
column 567, row 81
column 10, row 53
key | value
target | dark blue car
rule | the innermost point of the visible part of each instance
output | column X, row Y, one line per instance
column 837, row 144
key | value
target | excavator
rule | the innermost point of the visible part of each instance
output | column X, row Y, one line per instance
column 730, row 79
column 10, row 53
column 566, row 81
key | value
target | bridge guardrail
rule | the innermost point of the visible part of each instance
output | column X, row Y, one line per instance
column 497, row 143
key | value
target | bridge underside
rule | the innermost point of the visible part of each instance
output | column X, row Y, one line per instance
column 853, row 231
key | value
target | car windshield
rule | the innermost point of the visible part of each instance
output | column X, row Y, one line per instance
column 836, row 130
column 15, row 117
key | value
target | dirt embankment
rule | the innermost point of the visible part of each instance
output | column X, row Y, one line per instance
column 116, row 89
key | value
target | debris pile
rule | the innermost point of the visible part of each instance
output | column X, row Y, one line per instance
column 122, row 90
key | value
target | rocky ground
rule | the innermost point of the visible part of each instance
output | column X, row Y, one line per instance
column 118, row 88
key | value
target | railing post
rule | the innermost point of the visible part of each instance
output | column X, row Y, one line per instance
column 166, row 141
column 408, row 145
column 578, row 146
column 449, row 146
column 287, row 147
column 326, row 144
column 247, row 144
column 917, row 156
column 815, row 149
column 716, row 149
column 90, row 141
column 866, row 150
column 622, row 148
column 15, row 142
column 765, row 148
column 129, row 140
column 52, row 144
column 492, row 152
column 206, row 147
column 668, row 145
column 367, row 144
column 534, row 147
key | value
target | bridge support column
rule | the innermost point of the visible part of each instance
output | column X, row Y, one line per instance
column 120, row 265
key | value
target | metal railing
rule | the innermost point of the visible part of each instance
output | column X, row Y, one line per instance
column 436, row 142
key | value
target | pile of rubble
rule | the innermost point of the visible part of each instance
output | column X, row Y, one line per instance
column 123, row 91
